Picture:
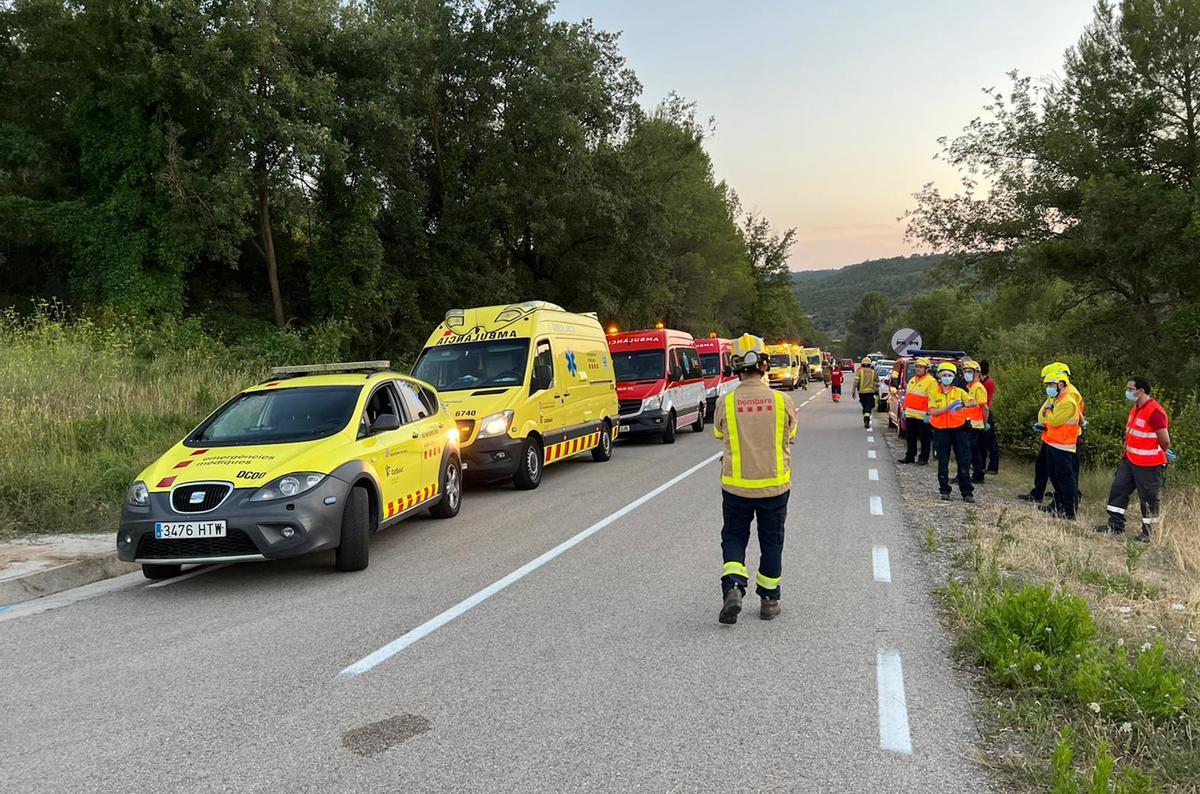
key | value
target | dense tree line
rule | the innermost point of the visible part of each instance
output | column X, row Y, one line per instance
column 366, row 164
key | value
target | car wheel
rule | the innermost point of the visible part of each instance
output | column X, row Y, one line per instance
column 529, row 471
column 353, row 552
column 451, row 501
column 698, row 425
column 603, row 451
column 164, row 571
column 668, row 436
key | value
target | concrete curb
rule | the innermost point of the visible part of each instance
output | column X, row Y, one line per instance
column 75, row 573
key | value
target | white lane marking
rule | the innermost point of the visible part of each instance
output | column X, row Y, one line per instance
column 876, row 506
column 893, row 711
column 194, row 572
column 871, row 454
column 870, row 439
column 433, row 624
column 67, row 597
column 881, row 564
column 872, row 474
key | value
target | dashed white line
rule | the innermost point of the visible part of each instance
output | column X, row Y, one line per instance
column 871, row 454
column 195, row 572
column 876, row 506
column 433, row 624
column 872, row 474
column 893, row 711
column 881, row 564
column 870, row 439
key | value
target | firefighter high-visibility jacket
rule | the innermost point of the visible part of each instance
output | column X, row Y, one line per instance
column 757, row 426
column 864, row 380
column 916, row 395
column 1061, row 418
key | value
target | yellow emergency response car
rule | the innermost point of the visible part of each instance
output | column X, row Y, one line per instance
column 315, row 458
column 528, row 384
column 785, row 366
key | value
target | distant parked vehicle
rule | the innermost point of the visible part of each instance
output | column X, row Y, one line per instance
column 883, row 372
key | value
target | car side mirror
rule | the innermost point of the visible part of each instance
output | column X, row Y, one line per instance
column 675, row 375
column 728, row 371
column 384, row 423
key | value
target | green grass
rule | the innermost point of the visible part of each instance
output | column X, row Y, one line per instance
column 85, row 405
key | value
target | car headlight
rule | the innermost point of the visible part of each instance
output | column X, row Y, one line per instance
column 652, row 402
column 495, row 424
column 287, row 486
column 138, row 495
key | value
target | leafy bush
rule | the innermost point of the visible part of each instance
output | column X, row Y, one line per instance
column 1146, row 688
column 1032, row 635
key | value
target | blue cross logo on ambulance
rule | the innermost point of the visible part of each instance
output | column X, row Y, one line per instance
column 511, row 377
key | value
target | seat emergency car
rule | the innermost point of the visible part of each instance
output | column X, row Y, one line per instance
column 316, row 458
column 660, row 382
column 785, row 366
column 528, row 385
column 719, row 379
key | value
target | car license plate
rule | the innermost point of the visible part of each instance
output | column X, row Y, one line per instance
column 624, row 428
column 172, row 530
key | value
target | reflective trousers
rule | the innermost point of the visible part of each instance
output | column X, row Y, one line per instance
column 917, row 430
column 956, row 439
column 1147, row 481
column 738, row 512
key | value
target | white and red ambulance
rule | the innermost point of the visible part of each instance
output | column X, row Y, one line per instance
column 660, row 382
column 719, row 379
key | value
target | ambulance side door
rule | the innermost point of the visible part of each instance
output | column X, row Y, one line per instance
column 546, row 388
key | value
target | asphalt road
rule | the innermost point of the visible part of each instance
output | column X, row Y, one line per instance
column 602, row 668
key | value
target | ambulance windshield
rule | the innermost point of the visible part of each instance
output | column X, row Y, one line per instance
column 640, row 365
column 500, row 363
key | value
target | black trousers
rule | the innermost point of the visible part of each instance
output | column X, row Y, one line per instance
column 1062, row 467
column 1041, row 474
column 1147, row 481
column 956, row 439
column 917, row 431
column 738, row 512
column 989, row 449
column 867, row 401
column 837, row 388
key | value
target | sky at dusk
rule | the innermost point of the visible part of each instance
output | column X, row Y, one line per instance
column 828, row 114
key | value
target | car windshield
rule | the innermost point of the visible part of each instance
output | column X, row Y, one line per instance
column 710, row 364
column 640, row 365
column 474, row 365
column 279, row 416
column 781, row 360
column 814, row 359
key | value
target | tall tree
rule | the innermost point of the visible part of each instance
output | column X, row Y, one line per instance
column 868, row 323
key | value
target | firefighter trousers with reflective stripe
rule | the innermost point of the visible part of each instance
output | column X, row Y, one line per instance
column 1147, row 481
column 738, row 512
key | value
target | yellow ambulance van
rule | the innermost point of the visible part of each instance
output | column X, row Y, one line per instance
column 785, row 366
column 528, row 384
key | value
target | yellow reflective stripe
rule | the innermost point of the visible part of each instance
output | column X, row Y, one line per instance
column 767, row 482
column 780, row 424
column 766, row 582
column 735, row 569
column 1063, row 447
column 731, row 418
column 914, row 414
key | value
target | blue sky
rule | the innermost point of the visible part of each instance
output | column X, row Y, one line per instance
column 828, row 113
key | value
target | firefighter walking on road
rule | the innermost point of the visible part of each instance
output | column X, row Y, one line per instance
column 757, row 426
column 835, row 380
column 916, row 414
column 1147, row 452
column 864, row 389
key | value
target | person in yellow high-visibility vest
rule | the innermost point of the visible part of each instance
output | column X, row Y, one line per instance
column 865, row 388
column 916, row 413
column 978, row 415
column 757, row 427
column 1058, row 423
column 947, row 414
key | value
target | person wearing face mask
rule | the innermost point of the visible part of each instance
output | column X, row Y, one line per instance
column 1041, row 471
column 916, row 414
column 977, row 416
column 947, row 414
column 1147, row 452
column 1058, row 423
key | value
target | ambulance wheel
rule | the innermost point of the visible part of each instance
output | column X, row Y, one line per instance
column 161, row 571
column 529, row 470
column 603, row 450
column 698, row 425
column 668, row 436
column 353, row 553
column 451, row 485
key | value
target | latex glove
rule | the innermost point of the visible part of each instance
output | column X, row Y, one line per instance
column 928, row 420
column 1171, row 456
column 987, row 428
column 1039, row 428
column 956, row 406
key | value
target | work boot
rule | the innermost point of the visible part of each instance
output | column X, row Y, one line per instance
column 924, row 462
column 1029, row 497
column 945, row 497
column 906, row 460
column 770, row 608
column 732, row 606
column 977, row 478
column 1142, row 537
column 1106, row 528
column 969, row 499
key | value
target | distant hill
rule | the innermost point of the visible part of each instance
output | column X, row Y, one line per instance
column 830, row 295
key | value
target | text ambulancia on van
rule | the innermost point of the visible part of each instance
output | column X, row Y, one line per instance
column 660, row 383
column 528, row 385
column 719, row 379
column 316, row 458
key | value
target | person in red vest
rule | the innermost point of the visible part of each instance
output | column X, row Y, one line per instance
column 835, row 379
column 1147, row 452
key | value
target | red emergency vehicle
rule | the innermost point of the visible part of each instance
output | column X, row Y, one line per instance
column 660, row 382
column 719, row 379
